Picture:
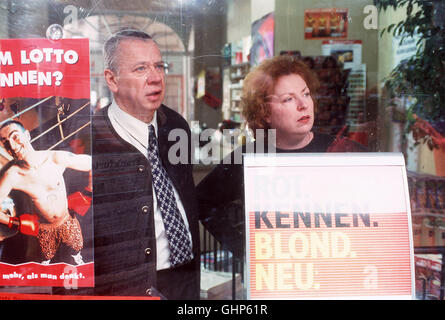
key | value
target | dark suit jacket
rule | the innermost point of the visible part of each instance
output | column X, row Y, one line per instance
column 124, row 235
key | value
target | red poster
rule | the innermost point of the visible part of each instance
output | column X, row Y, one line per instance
column 330, row 23
column 46, row 237
column 38, row 68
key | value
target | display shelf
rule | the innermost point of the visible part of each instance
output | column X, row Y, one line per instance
column 237, row 73
column 429, row 272
column 427, row 200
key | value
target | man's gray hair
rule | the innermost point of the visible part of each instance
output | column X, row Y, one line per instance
column 110, row 49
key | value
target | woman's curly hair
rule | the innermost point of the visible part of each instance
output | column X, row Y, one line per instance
column 261, row 81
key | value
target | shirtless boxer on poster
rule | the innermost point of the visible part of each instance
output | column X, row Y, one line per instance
column 39, row 174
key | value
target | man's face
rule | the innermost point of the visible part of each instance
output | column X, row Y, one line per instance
column 139, row 83
column 15, row 140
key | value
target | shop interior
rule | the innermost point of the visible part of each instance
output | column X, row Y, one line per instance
column 210, row 46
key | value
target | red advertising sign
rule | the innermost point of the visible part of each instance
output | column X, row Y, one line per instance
column 328, row 227
column 46, row 220
column 38, row 68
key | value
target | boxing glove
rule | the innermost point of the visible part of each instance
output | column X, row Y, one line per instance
column 80, row 202
column 27, row 224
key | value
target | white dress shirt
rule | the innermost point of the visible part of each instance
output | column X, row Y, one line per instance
column 135, row 132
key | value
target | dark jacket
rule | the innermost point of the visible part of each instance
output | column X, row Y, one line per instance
column 124, row 235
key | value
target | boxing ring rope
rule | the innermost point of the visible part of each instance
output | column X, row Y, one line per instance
column 26, row 110
column 58, row 124
column 70, row 135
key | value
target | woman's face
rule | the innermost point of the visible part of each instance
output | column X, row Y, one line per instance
column 291, row 109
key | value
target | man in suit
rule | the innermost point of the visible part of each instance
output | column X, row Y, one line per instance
column 136, row 253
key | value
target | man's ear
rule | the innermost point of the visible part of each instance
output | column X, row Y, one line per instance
column 111, row 79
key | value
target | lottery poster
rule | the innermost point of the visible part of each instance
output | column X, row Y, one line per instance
column 45, row 176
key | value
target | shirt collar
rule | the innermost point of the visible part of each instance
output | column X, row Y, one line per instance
column 136, row 127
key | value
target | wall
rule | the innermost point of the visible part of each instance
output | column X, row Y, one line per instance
column 241, row 14
column 3, row 20
column 227, row 21
column 23, row 22
column 210, row 37
column 238, row 19
column 260, row 8
column 289, row 33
